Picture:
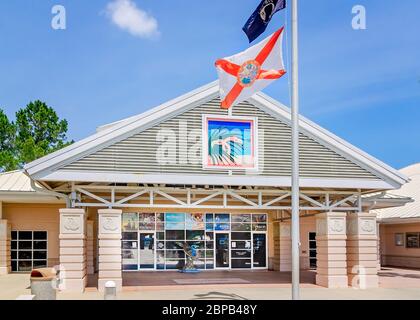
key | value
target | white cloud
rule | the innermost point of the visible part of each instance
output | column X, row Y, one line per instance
column 127, row 16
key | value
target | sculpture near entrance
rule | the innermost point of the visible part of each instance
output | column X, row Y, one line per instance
column 190, row 257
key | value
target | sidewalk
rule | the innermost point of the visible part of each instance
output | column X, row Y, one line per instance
column 395, row 284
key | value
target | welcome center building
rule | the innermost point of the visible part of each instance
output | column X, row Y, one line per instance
column 131, row 196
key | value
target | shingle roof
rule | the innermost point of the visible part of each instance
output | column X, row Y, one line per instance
column 410, row 189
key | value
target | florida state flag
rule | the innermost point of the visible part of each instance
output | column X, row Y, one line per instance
column 250, row 71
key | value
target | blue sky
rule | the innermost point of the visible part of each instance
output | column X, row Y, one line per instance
column 362, row 85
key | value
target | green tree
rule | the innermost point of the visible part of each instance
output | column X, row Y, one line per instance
column 39, row 132
column 8, row 159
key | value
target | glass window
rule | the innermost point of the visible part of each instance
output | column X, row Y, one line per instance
column 222, row 226
column 25, row 235
column 235, row 244
column 25, row 266
column 39, row 264
column 28, row 250
column 160, row 245
column 160, row 218
column 174, row 245
column 259, row 218
column 399, row 239
column 129, row 245
column 241, row 254
column 175, row 230
column 40, row 245
column 259, row 227
column 146, row 221
column 25, row 245
column 241, row 227
column 209, row 236
column 40, row 235
column 194, row 221
column 196, row 244
column 175, row 254
column 130, row 222
column 129, row 235
column 241, row 235
column 25, row 255
column 174, row 264
column 175, row 234
column 241, row 218
column 412, row 240
column 241, row 263
column 195, row 235
column 130, row 256
column 209, row 254
column 222, row 217
column 174, row 221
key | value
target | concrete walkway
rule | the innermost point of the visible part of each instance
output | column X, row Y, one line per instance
column 395, row 284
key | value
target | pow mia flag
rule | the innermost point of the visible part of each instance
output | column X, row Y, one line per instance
column 261, row 17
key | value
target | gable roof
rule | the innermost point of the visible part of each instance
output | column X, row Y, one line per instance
column 117, row 131
column 412, row 190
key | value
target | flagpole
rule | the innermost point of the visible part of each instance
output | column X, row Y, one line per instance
column 295, row 155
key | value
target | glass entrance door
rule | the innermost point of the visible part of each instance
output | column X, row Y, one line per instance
column 222, row 251
column 147, row 250
column 260, row 254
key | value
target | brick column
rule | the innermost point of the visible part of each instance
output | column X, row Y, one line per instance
column 285, row 247
column 72, row 250
column 331, row 250
column 362, row 250
column 90, row 261
column 109, row 236
column 5, row 241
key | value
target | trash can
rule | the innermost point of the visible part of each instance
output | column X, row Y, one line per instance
column 44, row 284
column 110, row 290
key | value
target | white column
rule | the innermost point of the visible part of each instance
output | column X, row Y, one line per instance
column 378, row 231
column 285, row 247
column 109, row 236
column 362, row 250
column 5, row 241
column 331, row 250
column 72, row 250
column 90, row 261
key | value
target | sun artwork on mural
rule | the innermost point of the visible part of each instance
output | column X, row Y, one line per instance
column 230, row 143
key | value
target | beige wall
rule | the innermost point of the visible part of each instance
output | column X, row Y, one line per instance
column 37, row 217
column 307, row 224
column 398, row 256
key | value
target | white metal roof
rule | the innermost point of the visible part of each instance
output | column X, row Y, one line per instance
column 15, row 187
column 45, row 168
column 15, row 181
column 410, row 189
